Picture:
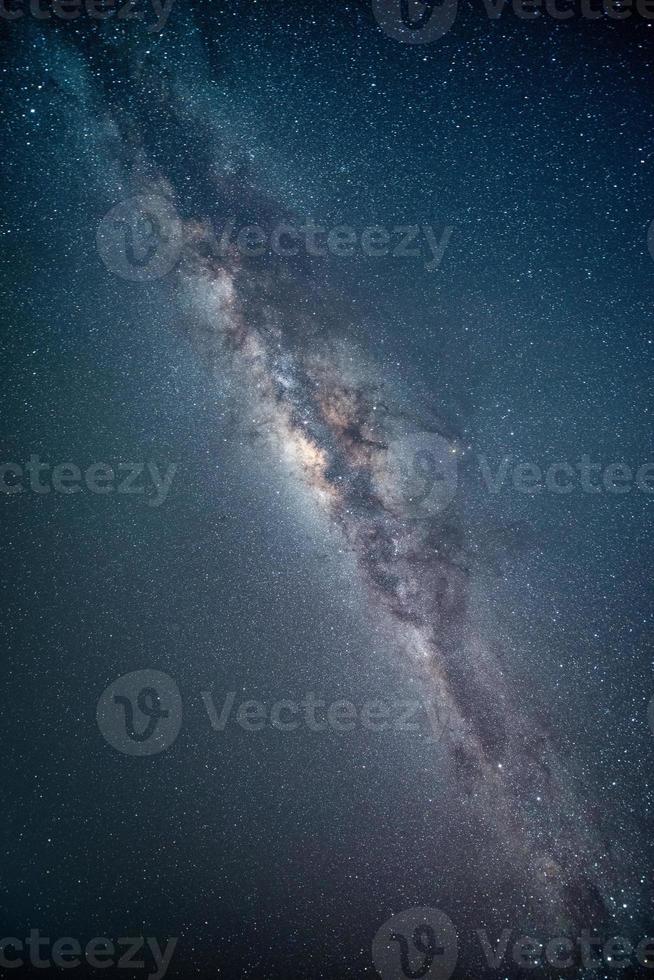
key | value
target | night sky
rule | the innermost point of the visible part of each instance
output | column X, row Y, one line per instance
column 312, row 441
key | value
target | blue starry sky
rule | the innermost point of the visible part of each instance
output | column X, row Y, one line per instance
column 272, row 855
